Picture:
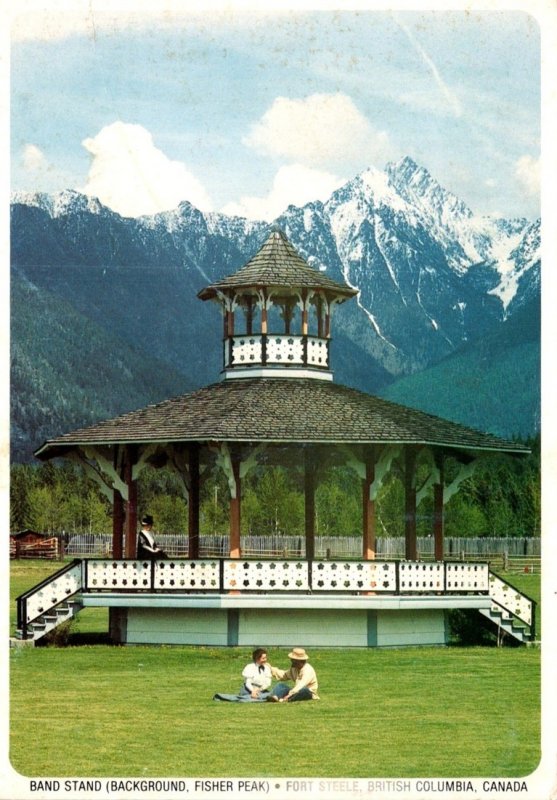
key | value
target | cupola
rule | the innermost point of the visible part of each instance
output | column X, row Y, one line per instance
column 277, row 313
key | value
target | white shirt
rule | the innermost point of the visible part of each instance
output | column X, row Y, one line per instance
column 254, row 678
column 148, row 539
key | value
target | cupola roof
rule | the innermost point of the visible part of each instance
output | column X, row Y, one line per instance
column 278, row 264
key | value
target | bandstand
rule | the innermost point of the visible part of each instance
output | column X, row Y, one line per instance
column 277, row 404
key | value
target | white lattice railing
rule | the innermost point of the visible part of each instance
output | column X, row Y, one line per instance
column 48, row 595
column 318, row 352
column 466, row 577
column 276, row 349
column 245, row 350
column 265, row 575
column 285, row 350
column 187, row 575
column 353, row 576
column 286, row 575
column 510, row 599
column 421, row 577
column 104, row 574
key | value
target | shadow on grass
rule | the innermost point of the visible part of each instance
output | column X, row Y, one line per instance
column 75, row 640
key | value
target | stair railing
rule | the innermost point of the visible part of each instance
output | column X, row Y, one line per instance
column 47, row 594
column 512, row 600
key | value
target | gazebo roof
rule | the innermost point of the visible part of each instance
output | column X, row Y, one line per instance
column 276, row 265
column 279, row 410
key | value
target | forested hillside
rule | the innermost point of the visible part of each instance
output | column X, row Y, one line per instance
column 493, row 378
column 67, row 372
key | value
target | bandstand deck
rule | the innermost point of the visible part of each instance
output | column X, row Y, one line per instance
column 228, row 602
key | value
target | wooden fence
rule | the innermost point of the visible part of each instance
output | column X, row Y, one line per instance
column 511, row 552
column 44, row 548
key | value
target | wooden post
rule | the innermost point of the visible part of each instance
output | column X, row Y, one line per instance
column 438, row 510
column 193, row 504
column 263, row 319
column 131, row 505
column 249, row 316
column 117, row 524
column 368, row 543
column 304, row 315
column 410, row 503
column 230, row 323
column 235, row 511
column 309, row 496
column 319, row 310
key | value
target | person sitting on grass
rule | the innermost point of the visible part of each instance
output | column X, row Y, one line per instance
column 303, row 675
column 257, row 680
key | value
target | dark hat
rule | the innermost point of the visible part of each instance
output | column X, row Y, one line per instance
column 147, row 520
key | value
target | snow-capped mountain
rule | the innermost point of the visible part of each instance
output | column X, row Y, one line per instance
column 431, row 276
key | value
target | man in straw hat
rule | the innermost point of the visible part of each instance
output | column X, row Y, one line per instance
column 303, row 675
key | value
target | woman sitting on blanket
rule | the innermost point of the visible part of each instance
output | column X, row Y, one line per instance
column 257, row 681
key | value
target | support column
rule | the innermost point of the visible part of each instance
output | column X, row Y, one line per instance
column 309, row 496
column 368, row 511
column 319, row 311
column 263, row 319
column 304, row 314
column 410, row 503
column 249, row 316
column 235, row 510
column 193, row 502
column 117, row 524
column 230, row 323
column 438, row 510
column 131, row 505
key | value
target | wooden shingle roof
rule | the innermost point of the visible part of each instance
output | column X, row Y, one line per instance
column 280, row 410
column 278, row 264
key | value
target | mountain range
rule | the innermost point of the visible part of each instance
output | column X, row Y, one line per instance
column 105, row 317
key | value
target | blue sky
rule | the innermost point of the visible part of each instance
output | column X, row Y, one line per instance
column 246, row 111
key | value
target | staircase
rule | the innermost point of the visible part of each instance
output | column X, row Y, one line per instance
column 512, row 612
column 63, row 612
column 50, row 603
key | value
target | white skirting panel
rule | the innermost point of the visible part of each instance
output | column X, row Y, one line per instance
column 395, row 628
column 177, row 626
column 312, row 628
column 284, row 628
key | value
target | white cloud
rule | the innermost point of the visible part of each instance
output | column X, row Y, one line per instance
column 293, row 184
column 322, row 130
column 527, row 171
column 33, row 158
column 133, row 177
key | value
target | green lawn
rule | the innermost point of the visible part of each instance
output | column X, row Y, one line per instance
column 98, row 710
column 147, row 711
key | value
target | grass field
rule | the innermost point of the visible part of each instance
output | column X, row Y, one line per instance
column 98, row 710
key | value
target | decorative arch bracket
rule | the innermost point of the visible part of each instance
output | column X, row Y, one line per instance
column 224, row 461
column 433, row 478
column 99, row 467
column 145, row 454
column 465, row 471
column 381, row 467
